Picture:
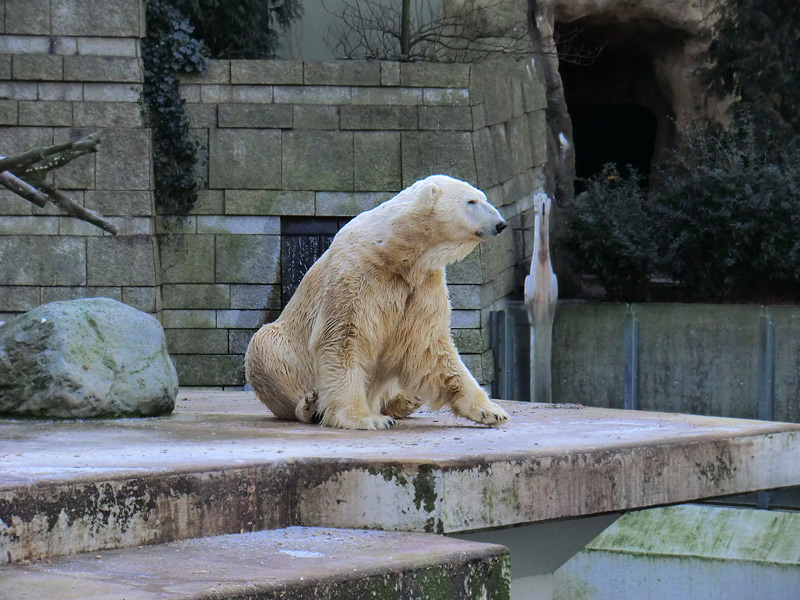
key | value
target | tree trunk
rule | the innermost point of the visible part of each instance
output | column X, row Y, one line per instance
column 405, row 30
column 560, row 168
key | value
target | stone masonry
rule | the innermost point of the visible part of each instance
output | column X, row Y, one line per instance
column 69, row 68
column 285, row 139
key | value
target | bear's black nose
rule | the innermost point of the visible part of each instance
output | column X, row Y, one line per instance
column 500, row 226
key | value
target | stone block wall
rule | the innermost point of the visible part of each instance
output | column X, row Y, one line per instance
column 310, row 139
column 69, row 68
column 286, row 140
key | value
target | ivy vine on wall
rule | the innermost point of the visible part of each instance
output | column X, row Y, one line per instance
column 170, row 49
column 181, row 34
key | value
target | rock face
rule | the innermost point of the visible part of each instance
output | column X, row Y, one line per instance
column 85, row 358
column 628, row 65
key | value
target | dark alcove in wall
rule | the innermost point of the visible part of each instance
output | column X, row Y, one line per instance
column 621, row 107
column 303, row 240
column 623, row 134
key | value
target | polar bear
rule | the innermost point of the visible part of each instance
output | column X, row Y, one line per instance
column 366, row 337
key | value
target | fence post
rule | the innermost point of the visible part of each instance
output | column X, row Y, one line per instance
column 766, row 369
column 503, row 341
column 631, row 359
column 766, row 385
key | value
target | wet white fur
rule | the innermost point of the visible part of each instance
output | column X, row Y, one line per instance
column 367, row 332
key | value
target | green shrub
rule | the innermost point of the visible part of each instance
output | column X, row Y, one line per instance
column 608, row 232
column 729, row 215
column 722, row 222
column 240, row 28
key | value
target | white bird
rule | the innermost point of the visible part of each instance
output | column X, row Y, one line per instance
column 541, row 295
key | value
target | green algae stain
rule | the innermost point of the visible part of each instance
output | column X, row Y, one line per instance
column 500, row 580
column 378, row 587
column 494, row 585
column 425, row 489
column 433, row 525
column 393, row 473
column 436, row 584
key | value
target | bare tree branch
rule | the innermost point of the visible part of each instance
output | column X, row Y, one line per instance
column 76, row 210
column 563, row 44
column 431, row 30
column 24, row 174
column 21, row 162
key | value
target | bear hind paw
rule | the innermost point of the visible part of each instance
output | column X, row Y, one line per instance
column 401, row 406
column 306, row 410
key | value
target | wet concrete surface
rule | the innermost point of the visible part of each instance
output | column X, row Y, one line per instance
column 298, row 562
column 222, row 464
column 229, row 429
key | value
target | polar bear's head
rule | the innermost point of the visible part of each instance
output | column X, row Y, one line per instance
column 461, row 212
column 456, row 215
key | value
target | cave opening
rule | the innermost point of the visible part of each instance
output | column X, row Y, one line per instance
column 619, row 100
column 621, row 134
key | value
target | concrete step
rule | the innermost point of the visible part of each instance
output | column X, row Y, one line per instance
column 222, row 464
column 297, row 562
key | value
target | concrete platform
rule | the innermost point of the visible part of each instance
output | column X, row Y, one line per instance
column 298, row 563
column 221, row 464
column 689, row 551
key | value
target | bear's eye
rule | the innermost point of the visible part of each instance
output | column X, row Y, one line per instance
column 472, row 202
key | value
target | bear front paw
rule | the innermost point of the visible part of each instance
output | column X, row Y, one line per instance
column 487, row 413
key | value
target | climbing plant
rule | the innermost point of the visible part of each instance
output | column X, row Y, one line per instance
column 170, row 48
column 181, row 37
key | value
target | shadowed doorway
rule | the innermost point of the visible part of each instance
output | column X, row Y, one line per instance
column 623, row 134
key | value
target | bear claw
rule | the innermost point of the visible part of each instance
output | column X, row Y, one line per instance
column 368, row 422
column 401, row 406
column 491, row 415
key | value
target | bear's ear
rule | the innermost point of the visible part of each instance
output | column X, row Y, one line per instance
column 429, row 193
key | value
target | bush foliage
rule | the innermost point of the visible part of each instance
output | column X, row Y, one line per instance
column 753, row 59
column 240, row 29
column 608, row 233
column 729, row 216
column 723, row 215
column 723, row 222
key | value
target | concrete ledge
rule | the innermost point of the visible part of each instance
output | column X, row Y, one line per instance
column 222, row 464
column 297, row 563
column 692, row 358
column 689, row 551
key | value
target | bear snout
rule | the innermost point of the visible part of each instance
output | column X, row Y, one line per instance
column 492, row 230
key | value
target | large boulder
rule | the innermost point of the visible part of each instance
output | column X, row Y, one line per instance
column 85, row 358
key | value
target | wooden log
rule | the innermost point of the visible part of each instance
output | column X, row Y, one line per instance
column 20, row 163
column 23, row 189
column 70, row 206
